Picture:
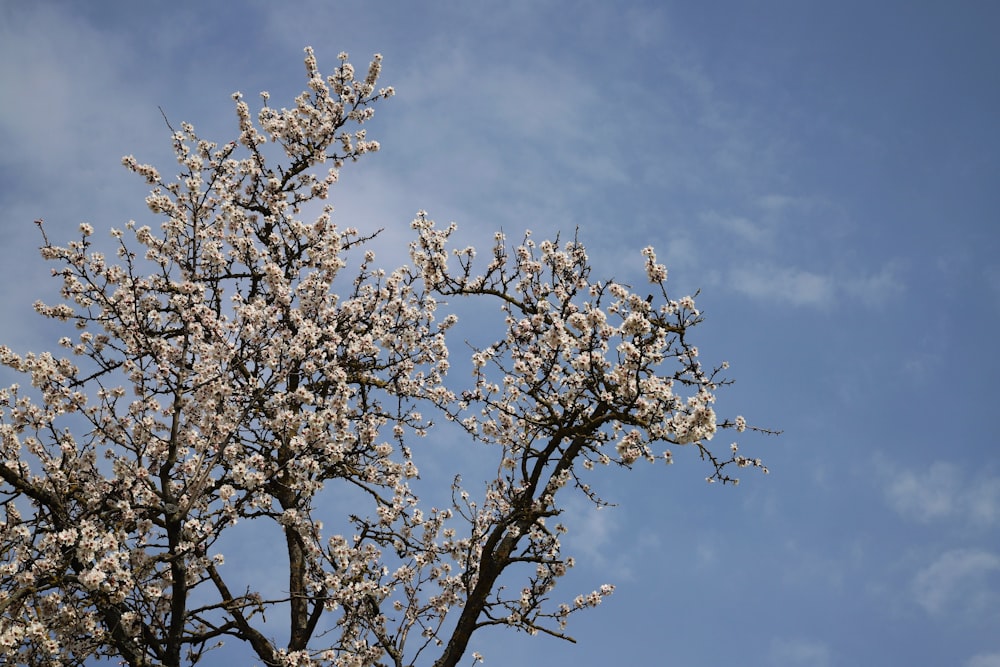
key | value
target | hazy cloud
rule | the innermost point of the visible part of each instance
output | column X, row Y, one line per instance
column 925, row 495
column 63, row 83
column 799, row 652
column 776, row 204
column 592, row 529
column 958, row 578
column 941, row 491
column 736, row 226
column 984, row 660
column 875, row 288
column 800, row 287
column 783, row 284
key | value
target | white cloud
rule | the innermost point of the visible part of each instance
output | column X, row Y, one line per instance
column 983, row 500
column 646, row 26
column 73, row 97
column 680, row 253
column 591, row 531
column 603, row 540
column 800, row 287
column 776, row 204
column 877, row 287
column 958, row 579
column 984, row 660
column 941, row 491
column 807, row 566
column 799, row 652
column 927, row 494
column 783, row 284
column 707, row 554
column 738, row 226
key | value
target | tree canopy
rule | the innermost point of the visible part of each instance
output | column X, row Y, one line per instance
column 247, row 355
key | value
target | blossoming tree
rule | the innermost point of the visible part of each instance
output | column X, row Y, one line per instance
column 239, row 362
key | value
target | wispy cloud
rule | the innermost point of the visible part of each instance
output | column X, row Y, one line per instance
column 775, row 204
column 596, row 540
column 707, row 554
column 783, row 284
column 737, row 226
column 958, row 580
column 775, row 282
column 799, row 653
column 984, row 660
column 808, row 567
column 940, row 491
column 925, row 495
column 69, row 79
column 591, row 533
column 646, row 25
column 875, row 288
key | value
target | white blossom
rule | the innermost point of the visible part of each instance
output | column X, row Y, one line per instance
column 235, row 360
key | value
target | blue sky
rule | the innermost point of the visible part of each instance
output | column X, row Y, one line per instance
column 826, row 173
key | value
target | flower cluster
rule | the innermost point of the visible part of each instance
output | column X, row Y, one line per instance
column 235, row 362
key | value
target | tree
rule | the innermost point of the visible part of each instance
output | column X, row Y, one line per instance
column 240, row 362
